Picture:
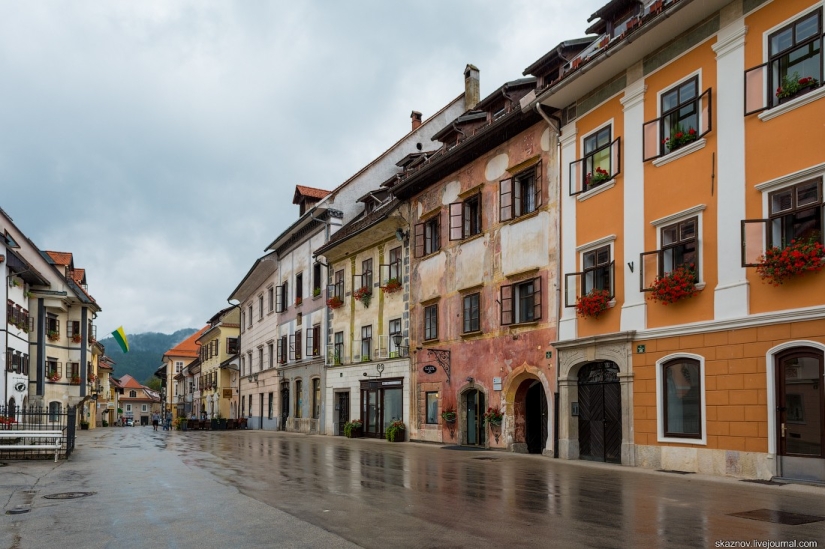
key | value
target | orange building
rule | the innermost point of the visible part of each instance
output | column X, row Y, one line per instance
column 692, row 324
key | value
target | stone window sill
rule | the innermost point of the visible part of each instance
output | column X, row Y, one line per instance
column 795, row 103
column 681, row 152
column 598, row 190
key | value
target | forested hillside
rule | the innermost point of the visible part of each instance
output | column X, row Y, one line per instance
column 145, row 352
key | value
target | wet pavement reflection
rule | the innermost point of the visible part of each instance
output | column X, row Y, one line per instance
column 377, row 494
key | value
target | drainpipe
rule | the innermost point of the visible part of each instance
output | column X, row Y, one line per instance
column 238, row 306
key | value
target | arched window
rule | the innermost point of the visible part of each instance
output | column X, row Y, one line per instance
column 55, row 411
column 132, row 394
column 682, row 398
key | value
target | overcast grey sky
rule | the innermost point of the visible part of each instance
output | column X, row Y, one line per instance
column 160, row 141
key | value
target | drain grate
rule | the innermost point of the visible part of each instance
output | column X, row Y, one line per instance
column 70, row 495
column 675, row 472
column 778, row 517
column 17, row 511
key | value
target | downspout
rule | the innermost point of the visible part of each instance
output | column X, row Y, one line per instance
column 238, row 306
column 6, row 347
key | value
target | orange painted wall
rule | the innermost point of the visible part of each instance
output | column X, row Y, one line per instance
column 682, row 184
column 735, row 382
column 777, row 147
column 598, row 216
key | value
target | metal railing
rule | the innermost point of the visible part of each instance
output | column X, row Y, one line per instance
column 35, row 418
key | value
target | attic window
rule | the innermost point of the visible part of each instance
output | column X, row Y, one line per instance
column 500, row 113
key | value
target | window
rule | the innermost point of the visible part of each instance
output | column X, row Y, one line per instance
column 465, row 218
column 270, row 298
column 298, row 339
column 430, row 322
column 471, row 313
column 282, row 350
column 597, row 274
column 681, row 398
column 299, row 288
column 270, row 348
column 271, row 407
column 427, row 236
column 679, row 248
column 366, row 273
column 299, row 400
column 143, row 408
column 316, row 398
column 600, row 163
column 128, row 407
column 232, row 345
column 243, row 366
column 249, row 316
column 316, row 279
column 394, row 332
column 794, row 213
column 521, row 302
column 520, row 195
column 55, row 410
column 366, row 343
column 52, row 327
column 261, row 307
column 260, row 359
column 281, row 295
column 178, row 367
column 249, row 361
column 338, row 348
column 314, row 341
column 337, row 288
column 685, row 117
column 250, row 405
column 432, row 408
column 243, row 321
column 73, row 329
column 391, row 271
column 243, row 407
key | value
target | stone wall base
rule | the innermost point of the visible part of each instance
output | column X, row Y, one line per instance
column 730, row 463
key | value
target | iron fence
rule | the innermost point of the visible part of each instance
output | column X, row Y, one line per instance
column 36, row 418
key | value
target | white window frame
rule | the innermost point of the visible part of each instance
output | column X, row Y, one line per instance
column 128, row 407
column 143, row 408
column 697, row 212
column 609, row 240
column 660, row 424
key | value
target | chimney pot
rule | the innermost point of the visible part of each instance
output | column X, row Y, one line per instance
column 416, row 120
column 472, row 88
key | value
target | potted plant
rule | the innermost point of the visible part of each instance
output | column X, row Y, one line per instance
column 84, row 425
column 75, row 380
column 92, row 378
column 77, row 338
column 53, row 376
column 6, row 421
column 53, row 335
column 797, row 258
column 449, row 415
column 298, row 301
column 680, row 138
column 493, row 417
column 354, row 429
column 593, row 303
column 334, row 302
column 316, row 292
column 105, row 423
column 363, row 294
column 792, row 85
column 391, row 286
column 596, row 178
column 678, row 284
column 395, row 432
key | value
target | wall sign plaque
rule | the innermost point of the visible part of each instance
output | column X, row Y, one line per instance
column 429, row 369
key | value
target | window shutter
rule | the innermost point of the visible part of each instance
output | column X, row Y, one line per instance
column 537, row 298
column 505, row 196
column 280, row 349
column 506, row 293
column 437, row 233
column 419, row 239
column 538, row 185
column 612, row 268
column 310, row 339
column 573, row 283
column 279, row 299
column 651, row 147
column 756, row 89
column 517, row 206
column 577, row 177
column 456, row 221
column 616, row 157
column 383, row 275
column 754, row 240
column 291, row 346
column 706, row 112
column 648, row 269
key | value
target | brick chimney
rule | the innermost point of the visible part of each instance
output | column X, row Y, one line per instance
column 416, row 120
column 472, row 91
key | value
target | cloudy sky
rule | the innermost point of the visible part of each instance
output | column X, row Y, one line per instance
column 160, row 141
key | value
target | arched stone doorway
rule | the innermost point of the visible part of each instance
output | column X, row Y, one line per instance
column 530, row 416
column 473, row 406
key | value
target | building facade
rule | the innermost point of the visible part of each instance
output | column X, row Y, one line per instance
column 218, row 379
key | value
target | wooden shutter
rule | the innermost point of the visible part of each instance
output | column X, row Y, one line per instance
column 648, row 269
column 757, row 91
column 506, row 299
column 418, row 238
column 754, row 240
column 383, row 274
column 456, row 221
column 517, row 204
column 298, row 336
column 651, row 146
column 310, row 342
column 280, row 350
column 577, row 177
column 538, row 185
column 612, row 289
column 437, row 233
column 279, row 299
column 291, row 346
column 705, row 112
column 505, row 197
column 616, row 157
column 573, row 284
column 537, row 298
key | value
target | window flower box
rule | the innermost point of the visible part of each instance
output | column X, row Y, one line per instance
column 76, row 338
column 680, row 139
column 493, row 417
column 801, row 256
column 75, row 380
column 593, row 180
column 334, row 302
column 593, row 303
column 793, row 86
column 678, row 284
column 53, row 336
column 364, row 295
column 391, row 286
column 316, row 292
column 53, row 376
column 298, row 301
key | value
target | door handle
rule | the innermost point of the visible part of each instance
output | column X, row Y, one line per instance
column 783, row 430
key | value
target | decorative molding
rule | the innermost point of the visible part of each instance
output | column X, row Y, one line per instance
column 568, row 134
column 730, row 43
column 794, row 177
column 800, row 101
column 660, row 425
column 679, row 153
column 676, row 216
column 598, row 190
column 634, row 95
column 596, row 243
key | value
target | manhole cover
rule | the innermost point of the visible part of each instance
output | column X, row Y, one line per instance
column 70, row 495
column 779, row 517
column 17, row 511
column 675, row 472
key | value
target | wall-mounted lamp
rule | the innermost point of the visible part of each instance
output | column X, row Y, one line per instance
column 470, row 380
column 401, row 235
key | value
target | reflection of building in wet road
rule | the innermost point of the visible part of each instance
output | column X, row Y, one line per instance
column 266, row 489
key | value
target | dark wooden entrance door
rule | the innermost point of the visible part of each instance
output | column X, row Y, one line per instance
column 800, row 409
column 284, row 405
column 475, row 428
column 536, row 418
column 600, row 412
column 343, row 411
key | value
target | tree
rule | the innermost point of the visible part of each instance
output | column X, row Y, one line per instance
column 153, row 383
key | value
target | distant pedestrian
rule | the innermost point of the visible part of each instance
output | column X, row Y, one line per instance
column 155, row 421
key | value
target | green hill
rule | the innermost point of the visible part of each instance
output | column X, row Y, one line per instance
column 145, row 352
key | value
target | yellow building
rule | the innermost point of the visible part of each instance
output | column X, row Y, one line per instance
column 218, row 380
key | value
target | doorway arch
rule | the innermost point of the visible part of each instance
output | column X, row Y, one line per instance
column 530, row 416
column 600, row 412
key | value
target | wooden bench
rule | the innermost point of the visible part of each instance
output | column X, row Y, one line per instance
column 50, row 440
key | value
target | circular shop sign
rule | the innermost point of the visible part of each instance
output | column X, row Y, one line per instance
column 429, row 369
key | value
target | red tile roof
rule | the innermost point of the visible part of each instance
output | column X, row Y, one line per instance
column 127, row 381
column 187, row 347
column 60, row 258
column 311, row 192
column 79, row 275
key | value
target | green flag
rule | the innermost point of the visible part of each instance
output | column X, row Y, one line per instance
column 120, row 337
